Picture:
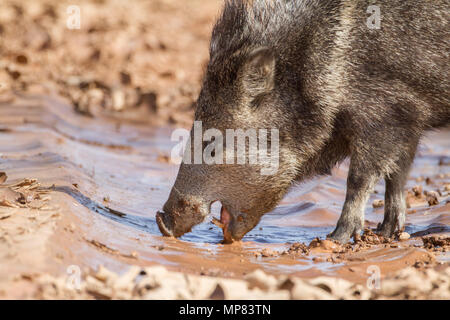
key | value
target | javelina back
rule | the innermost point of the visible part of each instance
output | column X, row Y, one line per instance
column 335, row 87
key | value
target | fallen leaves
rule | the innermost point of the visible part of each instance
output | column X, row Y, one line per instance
column 107, row 249
column 157, row 282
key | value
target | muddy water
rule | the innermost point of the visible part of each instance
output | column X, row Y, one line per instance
column 110, row 178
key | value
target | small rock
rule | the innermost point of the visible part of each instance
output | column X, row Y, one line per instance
column 417, row 190
column 432, row 198
column 378, row 203
column 404, row 236
column 268, row 253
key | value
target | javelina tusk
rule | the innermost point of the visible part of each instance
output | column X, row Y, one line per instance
column 217, row 222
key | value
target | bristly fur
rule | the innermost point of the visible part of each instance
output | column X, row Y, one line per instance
column 259, row 22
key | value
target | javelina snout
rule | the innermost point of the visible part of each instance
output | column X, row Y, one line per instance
column 177, row 220
column 181, row 213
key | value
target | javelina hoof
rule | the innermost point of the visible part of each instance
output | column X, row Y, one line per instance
column 344, row 234
column 386, row 230
column 342, row 238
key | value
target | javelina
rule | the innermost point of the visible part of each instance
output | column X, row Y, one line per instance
column 334, row 87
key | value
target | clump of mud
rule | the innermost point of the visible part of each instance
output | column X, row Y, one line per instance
column 158, row 283
column 267, row 253
column 417, row 197
column 369, row 238
column 333, row 251
column 437, row 243
column 339, row 251
column 297, row 249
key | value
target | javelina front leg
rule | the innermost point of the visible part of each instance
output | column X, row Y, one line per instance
column 359, row 185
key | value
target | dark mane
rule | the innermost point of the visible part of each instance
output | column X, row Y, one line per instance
column 259, row 22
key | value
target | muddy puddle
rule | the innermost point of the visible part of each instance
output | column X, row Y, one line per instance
column 107, row 179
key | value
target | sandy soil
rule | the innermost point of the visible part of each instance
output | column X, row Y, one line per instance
column 86, row 117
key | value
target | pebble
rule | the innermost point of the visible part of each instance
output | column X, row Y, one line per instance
column 404, row 236
column 378, row 203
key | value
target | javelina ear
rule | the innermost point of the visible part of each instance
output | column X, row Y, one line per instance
column 258, row 72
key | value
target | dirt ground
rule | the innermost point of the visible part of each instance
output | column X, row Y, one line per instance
column 85, row 122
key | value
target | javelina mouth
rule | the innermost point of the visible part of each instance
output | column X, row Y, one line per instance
column 164, row 224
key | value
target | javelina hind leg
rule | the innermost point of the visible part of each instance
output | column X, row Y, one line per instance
column 395, row 205
column 360, row 183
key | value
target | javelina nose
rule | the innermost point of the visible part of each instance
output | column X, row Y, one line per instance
column 165, row 224
column 180, row 213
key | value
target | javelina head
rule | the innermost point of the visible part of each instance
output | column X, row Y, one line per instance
column 239, row 97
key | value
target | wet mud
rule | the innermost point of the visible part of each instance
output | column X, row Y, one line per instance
column 71, row 196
